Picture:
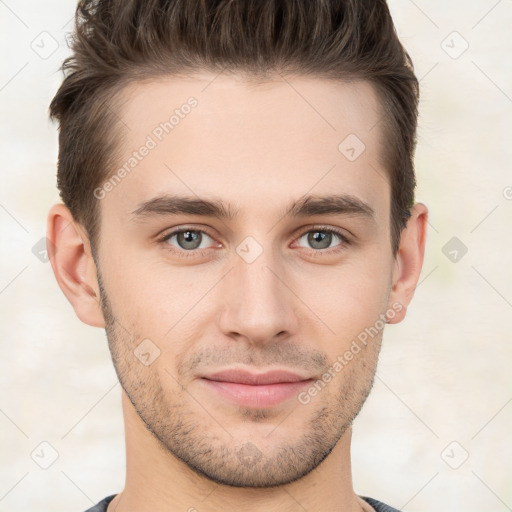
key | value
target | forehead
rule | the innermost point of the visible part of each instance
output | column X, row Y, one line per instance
column 250, row 143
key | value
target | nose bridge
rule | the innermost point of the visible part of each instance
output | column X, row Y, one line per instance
column 257, row 305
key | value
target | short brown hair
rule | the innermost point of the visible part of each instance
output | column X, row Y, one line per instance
column 117, row 42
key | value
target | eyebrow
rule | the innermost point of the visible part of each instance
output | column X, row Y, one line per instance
column 307, row 206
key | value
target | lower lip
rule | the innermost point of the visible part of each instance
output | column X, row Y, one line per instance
column 260, row 396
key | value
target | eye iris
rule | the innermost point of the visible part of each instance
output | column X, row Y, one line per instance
column 192, row 239
column 320, row 236
column 189, row 239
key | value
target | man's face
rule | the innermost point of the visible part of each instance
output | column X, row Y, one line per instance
column 261, row 290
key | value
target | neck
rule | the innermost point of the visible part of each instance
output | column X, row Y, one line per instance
column 157, row 481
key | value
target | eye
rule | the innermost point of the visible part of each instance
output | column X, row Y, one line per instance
column 321, row 238
column 188, row 240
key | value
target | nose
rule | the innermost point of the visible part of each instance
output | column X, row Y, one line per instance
column 258, row 304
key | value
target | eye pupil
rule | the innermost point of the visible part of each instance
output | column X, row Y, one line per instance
column 321, row 237
column 189, row 239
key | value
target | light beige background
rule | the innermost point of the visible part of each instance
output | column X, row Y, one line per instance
column 443, row 387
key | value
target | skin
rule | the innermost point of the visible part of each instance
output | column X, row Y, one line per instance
column 297, row 306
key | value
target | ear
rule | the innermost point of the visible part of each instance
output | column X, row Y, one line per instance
column 408, row 261
column 73, row 265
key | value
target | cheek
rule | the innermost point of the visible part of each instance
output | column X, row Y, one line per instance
column 346, row 299
column 158, row 300
column 155, row 297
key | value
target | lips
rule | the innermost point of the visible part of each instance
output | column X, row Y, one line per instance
column 256, row 390
column 255, row 379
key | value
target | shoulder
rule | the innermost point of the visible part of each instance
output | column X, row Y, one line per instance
column 102, row 505
column 378, row 506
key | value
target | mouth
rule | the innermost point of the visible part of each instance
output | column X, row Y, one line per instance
column 256, row 390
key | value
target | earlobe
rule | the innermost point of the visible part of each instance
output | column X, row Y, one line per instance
column 73, row 265
column 408, row 262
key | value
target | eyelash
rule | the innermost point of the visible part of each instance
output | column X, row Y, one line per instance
column 201, row 252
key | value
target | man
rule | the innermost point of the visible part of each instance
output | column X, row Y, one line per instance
column 239, row 215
